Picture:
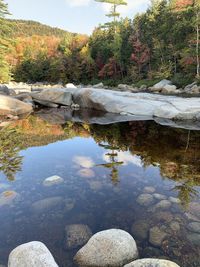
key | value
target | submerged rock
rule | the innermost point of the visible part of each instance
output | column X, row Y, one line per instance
column 149, row 189
column 112, row 248
column 157, row 236
column 77, row 235
column 33, row 254
column 53, row 180
column 194, row 238
column 194, row 227
column 86, row 173
column 145, row 199
column 159, row 196
column 163, row 204
column 152, row 263
column 46, row 204
column 140, row 229
column 8, row 197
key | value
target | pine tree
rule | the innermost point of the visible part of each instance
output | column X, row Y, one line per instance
column 115, row 3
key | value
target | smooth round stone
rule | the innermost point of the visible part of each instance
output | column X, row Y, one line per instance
column 140, row 229
column 163, row 204
column 77, row 235
column 33, row 254
column 145, row 199
column 156, row 236
column 159, row 196
column 152, row 263
column 149, row 189
column 175, row 226
column 108, row 248
column 53, row 180
column 194, row 238
column 86, row 173
column 8, row 197
column 47, row 204
column 194, row 227
column 195, row 209
column 174, row 200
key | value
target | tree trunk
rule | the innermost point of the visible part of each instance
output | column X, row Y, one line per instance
column 197, row 44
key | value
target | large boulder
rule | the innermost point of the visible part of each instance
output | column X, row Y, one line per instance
column 152, row 263
column 33, row 254
column 70, row 85
column 112, row 248
column 162, row 84
column 98, row 86
column 59, row 96
column 13, row 106
column 4, row 90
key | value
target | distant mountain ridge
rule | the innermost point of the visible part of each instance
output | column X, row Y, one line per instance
column 27, row 28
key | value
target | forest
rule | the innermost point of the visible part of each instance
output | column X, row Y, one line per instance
column 162, row 42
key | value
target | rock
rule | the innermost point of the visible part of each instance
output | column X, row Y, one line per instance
column 156, row 236
column 194, row 238
column 47, row 204
column 175, row 226
column 70, row 85
column 77, row 235
column 98, row 86
column 145, row 199
column 195, row 209
column 8, row 197
column 174, row 200
column 162, row 84
column 59, row 96
column 4, row 90
column 194, row 227
column 191, row 217
column 84, row 162
column 168, row 89
column 189, row 87
column 123, row 86
column 86, row 173
column 140, row 229
column 159, row 196
column 152, row 263
column 163, row 217
column 163, row 204
column 33, row 254
column 53, row 180
column 149, row 189
column 9, row 105
column 110, row 248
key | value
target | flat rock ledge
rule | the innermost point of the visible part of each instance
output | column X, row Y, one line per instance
column 125, row 103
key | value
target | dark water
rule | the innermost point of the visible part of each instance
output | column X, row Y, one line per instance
column 105, row 169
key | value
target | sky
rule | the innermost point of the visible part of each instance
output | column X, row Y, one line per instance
column 79, row 16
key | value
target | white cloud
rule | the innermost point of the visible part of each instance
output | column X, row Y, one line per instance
column 133, row 5
column 126, row 158
column 78, row 3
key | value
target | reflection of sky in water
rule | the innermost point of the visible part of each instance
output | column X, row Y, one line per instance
column 103, row 184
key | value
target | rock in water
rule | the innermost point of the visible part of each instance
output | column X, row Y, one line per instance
column 33, row 254
column 53, row 180
column 9, row 105
column 152, row 263
column 70, row 85
column 112, row 248
column 145, row 199
column 156, row 236
column 77, row 235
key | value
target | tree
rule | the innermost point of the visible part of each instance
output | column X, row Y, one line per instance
column 115, row 3
column 4, row 31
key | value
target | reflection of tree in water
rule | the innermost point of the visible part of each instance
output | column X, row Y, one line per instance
column 113, row 164
column 10, row 161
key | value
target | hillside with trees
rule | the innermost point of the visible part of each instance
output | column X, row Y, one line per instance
column 162, row 42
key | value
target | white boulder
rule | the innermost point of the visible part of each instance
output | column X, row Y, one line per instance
column 98, row 86
column 162, row 84
column 70, row 85
column 112, row 248
column 152, row 263
column 9, row 105
column 33, row 254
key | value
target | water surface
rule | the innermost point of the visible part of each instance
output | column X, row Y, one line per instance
column 106, row 171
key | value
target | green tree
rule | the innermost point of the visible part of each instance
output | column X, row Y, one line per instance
column 4, row 32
